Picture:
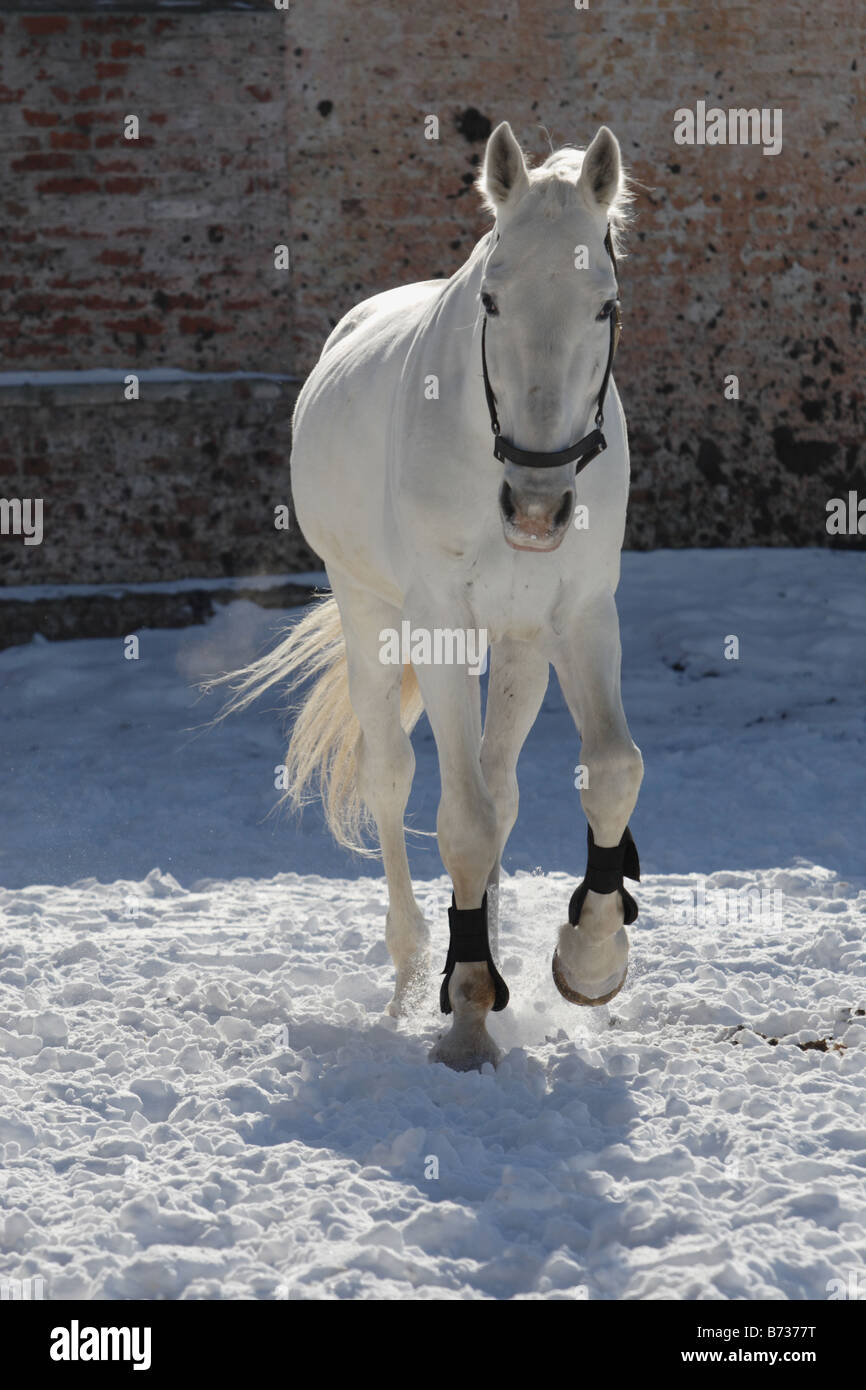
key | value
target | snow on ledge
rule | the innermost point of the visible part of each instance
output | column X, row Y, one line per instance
column 109, row 376
column 32, row 593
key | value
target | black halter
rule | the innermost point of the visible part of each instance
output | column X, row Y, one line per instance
column 592, row 444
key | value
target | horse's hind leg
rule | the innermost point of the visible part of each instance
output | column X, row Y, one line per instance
column 386, row 766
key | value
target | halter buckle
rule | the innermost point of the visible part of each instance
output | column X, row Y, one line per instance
column 594, row 452
column 597, row 448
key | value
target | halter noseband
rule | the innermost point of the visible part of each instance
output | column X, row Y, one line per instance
column 592, row 444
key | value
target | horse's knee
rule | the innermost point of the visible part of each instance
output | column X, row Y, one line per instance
column 385, row 769
column 614, row 776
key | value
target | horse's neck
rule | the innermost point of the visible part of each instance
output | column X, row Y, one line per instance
column 455, row 322
column 465, row 282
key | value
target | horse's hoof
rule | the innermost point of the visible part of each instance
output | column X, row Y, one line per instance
column 410, row 988
column 461, row 1054
column 573, row 996
column 405, row 1000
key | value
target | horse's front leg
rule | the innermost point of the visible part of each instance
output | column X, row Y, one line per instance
column 519, row 675
column 591, row 959
column 468, row 843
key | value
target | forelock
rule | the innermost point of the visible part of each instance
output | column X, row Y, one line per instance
column 557, row 179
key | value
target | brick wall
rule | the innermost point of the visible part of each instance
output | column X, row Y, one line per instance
column 308, row 127
column 740, row 262
column 152, row 251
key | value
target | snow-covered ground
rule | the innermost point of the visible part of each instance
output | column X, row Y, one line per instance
column 200, row 1095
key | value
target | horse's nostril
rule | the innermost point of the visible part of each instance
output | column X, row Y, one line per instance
column 506, row 502
column 563, row 511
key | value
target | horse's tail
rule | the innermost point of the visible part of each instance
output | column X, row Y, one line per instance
column 323, row 750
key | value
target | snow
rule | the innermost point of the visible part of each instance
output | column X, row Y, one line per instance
column 200, row 1094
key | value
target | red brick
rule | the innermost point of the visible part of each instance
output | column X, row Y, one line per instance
column 120, row 24
column 134, row 186
column 106, row 142
column 114, row 166
column 66, row 324
column 40, row 117
column 124, row 48
column 68, row 186
column 42, row 161
column 190, row 323
column 109, row 257
column 31, row 303
column 62, row 232
column 85, row 119
column 69, row 140
column 63, row 282
column 139, row 325
column 45, row 24
column 181, row 301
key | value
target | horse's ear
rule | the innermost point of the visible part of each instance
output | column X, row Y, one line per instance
column 504, row 179
column 601, row 171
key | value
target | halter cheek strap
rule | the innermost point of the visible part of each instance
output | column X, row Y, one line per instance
column 592, row 444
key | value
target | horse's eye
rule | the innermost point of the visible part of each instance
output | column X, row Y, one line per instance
column 606, row 310
column 488, row 304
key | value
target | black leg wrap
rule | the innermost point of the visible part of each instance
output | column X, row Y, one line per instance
column 605, row 871
column 469, row 942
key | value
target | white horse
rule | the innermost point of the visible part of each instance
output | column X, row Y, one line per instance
column 396, row 486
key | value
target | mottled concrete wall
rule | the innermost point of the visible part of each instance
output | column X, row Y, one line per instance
column 308, row 127
column 181, row 484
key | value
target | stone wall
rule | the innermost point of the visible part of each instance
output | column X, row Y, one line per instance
column 180, row 484
column 308, row 127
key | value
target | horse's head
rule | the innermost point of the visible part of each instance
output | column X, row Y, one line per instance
column 548, row 291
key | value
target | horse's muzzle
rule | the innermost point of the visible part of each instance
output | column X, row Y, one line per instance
column 535, row 521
